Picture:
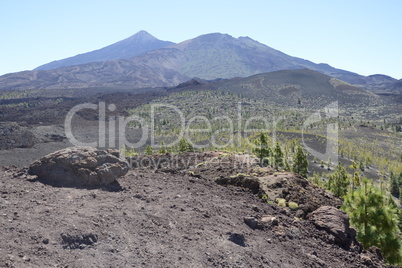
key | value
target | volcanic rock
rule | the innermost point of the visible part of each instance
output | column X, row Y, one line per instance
column 79, row 167
column 336, row 223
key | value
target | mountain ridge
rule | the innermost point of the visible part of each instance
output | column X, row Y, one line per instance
column 209, row 57
column 301, row 88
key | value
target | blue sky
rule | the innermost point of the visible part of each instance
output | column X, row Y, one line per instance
column 360, row 36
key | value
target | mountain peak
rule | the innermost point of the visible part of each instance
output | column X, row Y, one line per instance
column 143, row 35
column 207, row 41
column 214, row 36
column 221, row 39
column 137, row 44
column 143, row 32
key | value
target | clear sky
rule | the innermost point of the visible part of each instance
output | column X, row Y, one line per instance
column 363, row 36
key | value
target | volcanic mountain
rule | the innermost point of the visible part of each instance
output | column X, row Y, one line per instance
column 209, row 56
column 135, row 45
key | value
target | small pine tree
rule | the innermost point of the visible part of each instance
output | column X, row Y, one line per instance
column 376, row 220
column 339, row 181
column 394, row 184
column 356, row 180
column 316, row 179
column 286, row 165
column 278, row 156
column 353, row 166
column 163, row 149
column 185, row 146
column 261, row 149
column 300, row 163
column 329, row 181
column 148, row 150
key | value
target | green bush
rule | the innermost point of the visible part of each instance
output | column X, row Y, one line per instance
column 281, row 202
column 293, row 205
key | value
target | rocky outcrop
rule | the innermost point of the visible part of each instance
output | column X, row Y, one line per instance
column 336, row 223
column 290, row 187
column 249, row 182
column 79, row 167
column 372, row 257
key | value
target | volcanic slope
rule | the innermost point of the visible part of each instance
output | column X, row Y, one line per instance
column 301, row 88
column 168, row 217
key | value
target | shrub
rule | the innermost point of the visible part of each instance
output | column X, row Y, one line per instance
column 293, row 205
column 281, row 202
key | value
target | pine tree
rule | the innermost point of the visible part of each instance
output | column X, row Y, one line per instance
column 286, row 165
column 261, row 149
column 300, row 163
column 328, row 183
column 339, row 181
column 353, row 166
column 316, row 179
column 278, row 156
column 148, row 150
column 163, row 149
column 185, row 146
column 394, row 185
column 190, row 147
column 356, row 180
column 376, row 220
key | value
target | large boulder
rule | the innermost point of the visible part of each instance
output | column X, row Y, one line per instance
column 336, row 223
column 80, row 167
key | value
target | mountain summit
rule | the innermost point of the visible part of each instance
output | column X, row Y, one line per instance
column 219, row 55
column 135, row 45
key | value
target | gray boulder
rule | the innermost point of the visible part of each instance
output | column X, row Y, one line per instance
column 336, row 223
column 80, row 167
